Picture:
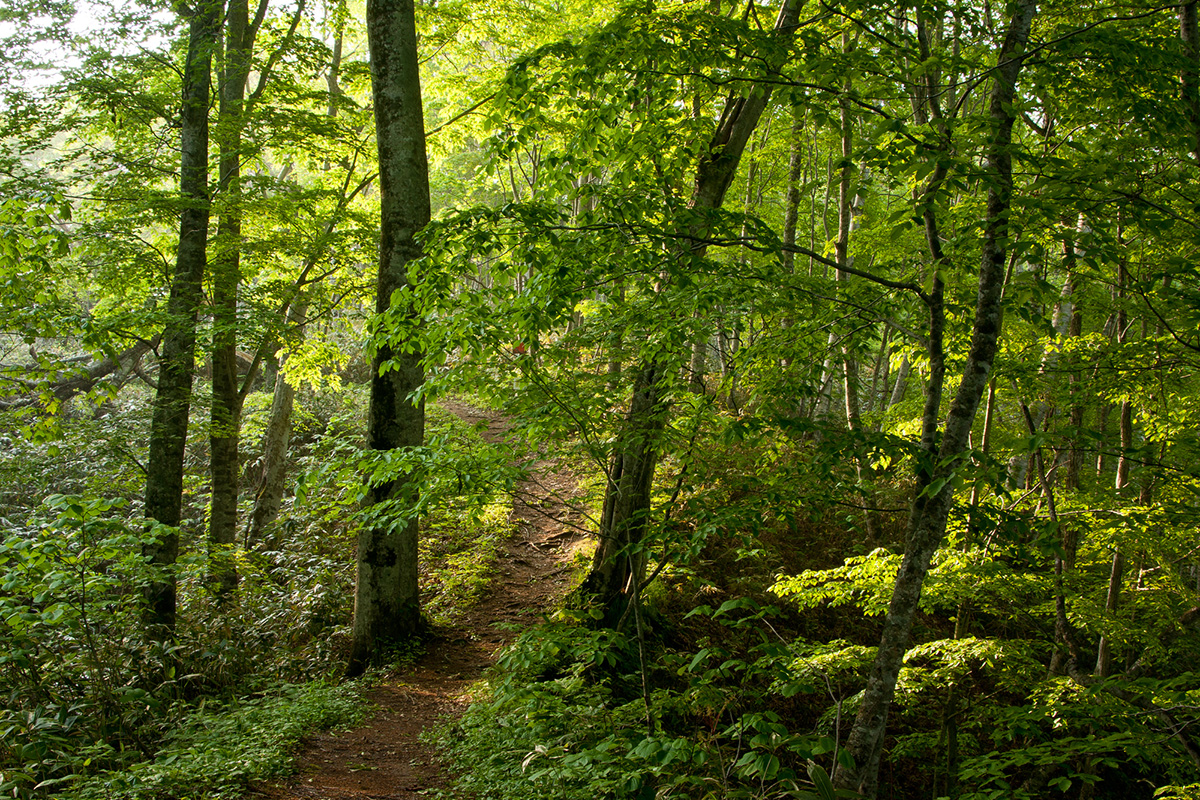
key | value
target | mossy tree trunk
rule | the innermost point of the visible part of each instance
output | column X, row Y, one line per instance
column 386, row 603
column 173, row 398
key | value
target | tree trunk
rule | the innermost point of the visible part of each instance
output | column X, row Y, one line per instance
column 1189, row 80
column 791, row 213
column 386, row 603
column 619, row 560
column 1074, row 379
column 901, row 385
column 616, row 347
column 880, row 371
column 172, row 401
column 268, row 500
column 698, row 365
column 226, row 276
column 616, row 568
column 927, row 523
column 846, row 223
column 1117, row 572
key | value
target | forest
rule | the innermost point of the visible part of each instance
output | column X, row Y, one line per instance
column 842, row 354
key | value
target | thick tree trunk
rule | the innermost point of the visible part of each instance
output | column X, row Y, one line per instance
column 386, row 603
column 618, row 563
column 927, row 523
column 616, row 568
column 173, row 400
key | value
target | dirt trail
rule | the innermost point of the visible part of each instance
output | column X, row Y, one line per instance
column 383, row 758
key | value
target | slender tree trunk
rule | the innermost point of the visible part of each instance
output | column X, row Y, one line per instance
column 616, row 346
column 698, row 365
column 268, row 500
column 927, row 523
column 616, row 567
column 1189, row 79
column 896, row 397
column 226, row 276
column 880, row 371
column 172, row 402
column 1074, row 331
column 791, row 213
column 989, row 414
column 850, row 378
column 386, row 603
column 1117, row 572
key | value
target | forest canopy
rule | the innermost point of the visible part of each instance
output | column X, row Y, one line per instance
column 867, row 331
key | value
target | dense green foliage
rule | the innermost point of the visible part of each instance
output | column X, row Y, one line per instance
column 794, row 329
column 89, row 712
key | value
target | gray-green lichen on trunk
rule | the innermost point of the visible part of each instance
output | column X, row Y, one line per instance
column 927, row 523
column 386, row 603
column 172, row 401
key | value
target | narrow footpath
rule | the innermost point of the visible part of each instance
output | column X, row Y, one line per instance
column 383, row 758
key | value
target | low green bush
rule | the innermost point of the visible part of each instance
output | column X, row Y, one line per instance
column 577, row 722
column 216, row 749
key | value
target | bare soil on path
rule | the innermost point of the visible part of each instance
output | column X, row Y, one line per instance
column 383, row 758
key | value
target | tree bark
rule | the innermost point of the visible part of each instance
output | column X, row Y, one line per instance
column 901, row 385
column 791, row 214
column 268, row 500
column 927, row 522
column 386, row 602
column 226, row 411
column 1074, row 378
column 1117, row 572
column 616, row 568
column 173, row 399
column 850, row 379
column 1189, row 80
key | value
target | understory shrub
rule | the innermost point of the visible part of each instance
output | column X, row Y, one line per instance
column 578, row 720
column 215, row 749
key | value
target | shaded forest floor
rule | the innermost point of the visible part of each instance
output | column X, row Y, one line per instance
column 384, row 757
